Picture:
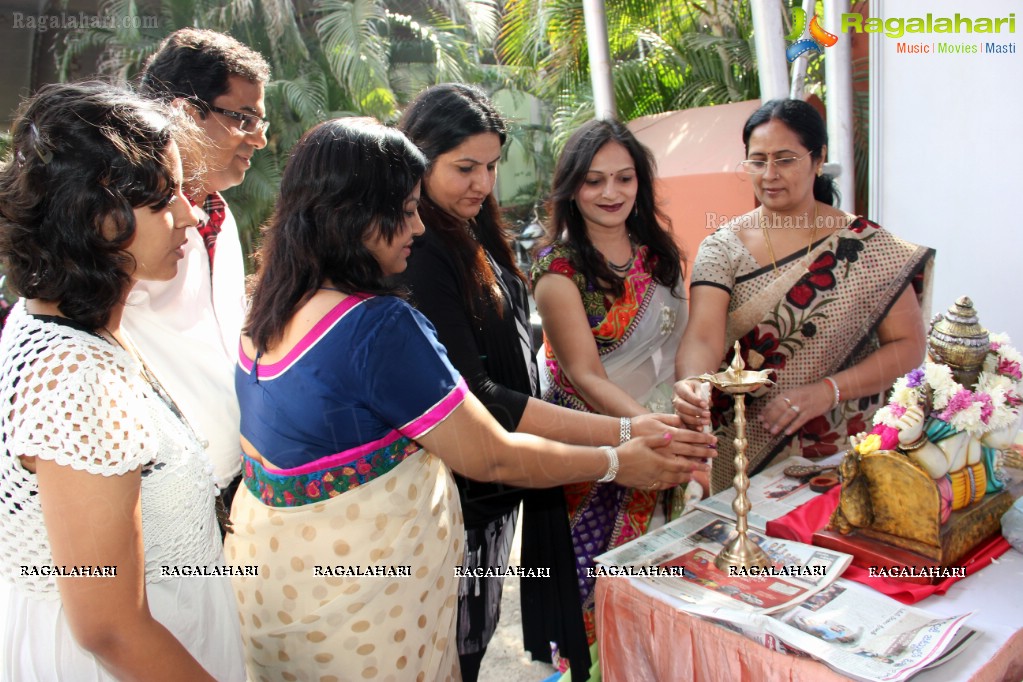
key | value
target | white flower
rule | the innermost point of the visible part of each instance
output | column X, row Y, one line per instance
column 1003, row 417
column 905, row 396
column 968, row 419
column 1002, row 391
column 884, row 416
column 1011, row 354
column 939, row 378
column 994, row 385
column 990, row 363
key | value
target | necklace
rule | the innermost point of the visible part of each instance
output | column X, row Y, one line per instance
column 770, row 247
column 157, row 387
column 220, row 510
column 622, row 269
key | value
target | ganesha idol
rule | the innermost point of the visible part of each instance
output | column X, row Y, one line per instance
column 929, row 477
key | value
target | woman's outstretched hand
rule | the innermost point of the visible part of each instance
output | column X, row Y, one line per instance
column 690, row 404
column 790, row 410
column 648, row 463
column 684, row 442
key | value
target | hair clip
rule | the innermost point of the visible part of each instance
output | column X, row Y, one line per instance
column 40, row 148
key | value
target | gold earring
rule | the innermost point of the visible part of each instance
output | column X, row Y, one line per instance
column 820, row 171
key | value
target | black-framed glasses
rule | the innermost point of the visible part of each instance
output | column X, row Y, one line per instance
column 247, row 123
column 758, row 166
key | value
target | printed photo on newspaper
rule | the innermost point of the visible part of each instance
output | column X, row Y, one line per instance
column 772, row 494
column 856, row 631
column 799, row 605
column 688, row 546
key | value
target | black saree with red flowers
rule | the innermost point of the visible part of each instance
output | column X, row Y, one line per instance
column 823, row 319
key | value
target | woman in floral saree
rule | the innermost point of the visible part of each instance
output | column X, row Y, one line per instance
column 609, row 288
column 351, row 415
column 830, row 301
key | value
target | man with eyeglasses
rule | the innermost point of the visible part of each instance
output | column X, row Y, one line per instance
column 187, row 329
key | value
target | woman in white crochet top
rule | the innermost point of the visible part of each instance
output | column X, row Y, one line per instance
column 106, row 501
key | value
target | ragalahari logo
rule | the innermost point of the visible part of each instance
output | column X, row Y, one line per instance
column 818, row 40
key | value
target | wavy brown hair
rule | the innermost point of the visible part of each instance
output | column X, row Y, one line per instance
column 648, row 224
column 83, row 157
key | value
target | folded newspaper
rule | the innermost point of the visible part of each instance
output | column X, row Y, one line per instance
column 771, row 495
column 685, row 549
column 799, row 605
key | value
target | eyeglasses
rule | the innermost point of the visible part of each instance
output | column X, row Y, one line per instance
column 758, row 166
column 247, row 123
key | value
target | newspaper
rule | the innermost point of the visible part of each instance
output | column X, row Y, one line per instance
column 856, row 631
column 684, row 551
column 772, row 494
column 801, row 607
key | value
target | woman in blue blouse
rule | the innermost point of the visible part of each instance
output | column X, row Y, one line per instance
column 351, row 418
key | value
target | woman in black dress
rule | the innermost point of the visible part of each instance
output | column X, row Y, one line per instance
column 463, row 278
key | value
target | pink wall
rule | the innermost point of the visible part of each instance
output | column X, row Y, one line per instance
column 697, row 203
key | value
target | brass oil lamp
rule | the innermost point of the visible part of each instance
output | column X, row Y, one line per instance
column 740, row 551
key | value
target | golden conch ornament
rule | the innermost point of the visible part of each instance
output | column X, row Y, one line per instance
column 956, row 339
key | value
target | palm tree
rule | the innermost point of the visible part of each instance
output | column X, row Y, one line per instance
column 666, row 56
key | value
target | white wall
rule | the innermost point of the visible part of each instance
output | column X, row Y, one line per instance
column 947, row 157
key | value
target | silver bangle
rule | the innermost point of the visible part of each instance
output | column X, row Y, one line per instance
column 612, row 464
column 624, row 430
column 837, row 392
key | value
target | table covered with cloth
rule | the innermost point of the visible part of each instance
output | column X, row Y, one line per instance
column 645, row 635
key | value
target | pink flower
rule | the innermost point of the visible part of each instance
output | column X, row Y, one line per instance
column 897, row 410
column 889, row 437
column 1009, row 368
column 960, row 401
column 995, row 345
column 987, row 408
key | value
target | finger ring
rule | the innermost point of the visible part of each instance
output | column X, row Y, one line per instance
column 653, row 486
column 787, row 401
column 795, row 408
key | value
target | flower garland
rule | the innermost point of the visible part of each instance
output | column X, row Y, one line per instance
column 993, row 404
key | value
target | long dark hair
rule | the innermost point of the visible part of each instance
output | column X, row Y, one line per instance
column 802, row 119
column 648, row 224
column 345, row 178
column 439, row 119
column 83, row 157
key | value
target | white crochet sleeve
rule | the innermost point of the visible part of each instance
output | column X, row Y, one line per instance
column 75, row 405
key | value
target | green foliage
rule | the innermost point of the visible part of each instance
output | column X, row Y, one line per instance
column 368, row 57
column 665, row 56
column 328, row 58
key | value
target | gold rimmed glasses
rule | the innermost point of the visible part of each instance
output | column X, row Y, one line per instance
column 781, row 164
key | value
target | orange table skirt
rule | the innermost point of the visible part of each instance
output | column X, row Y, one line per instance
column 643, row 639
